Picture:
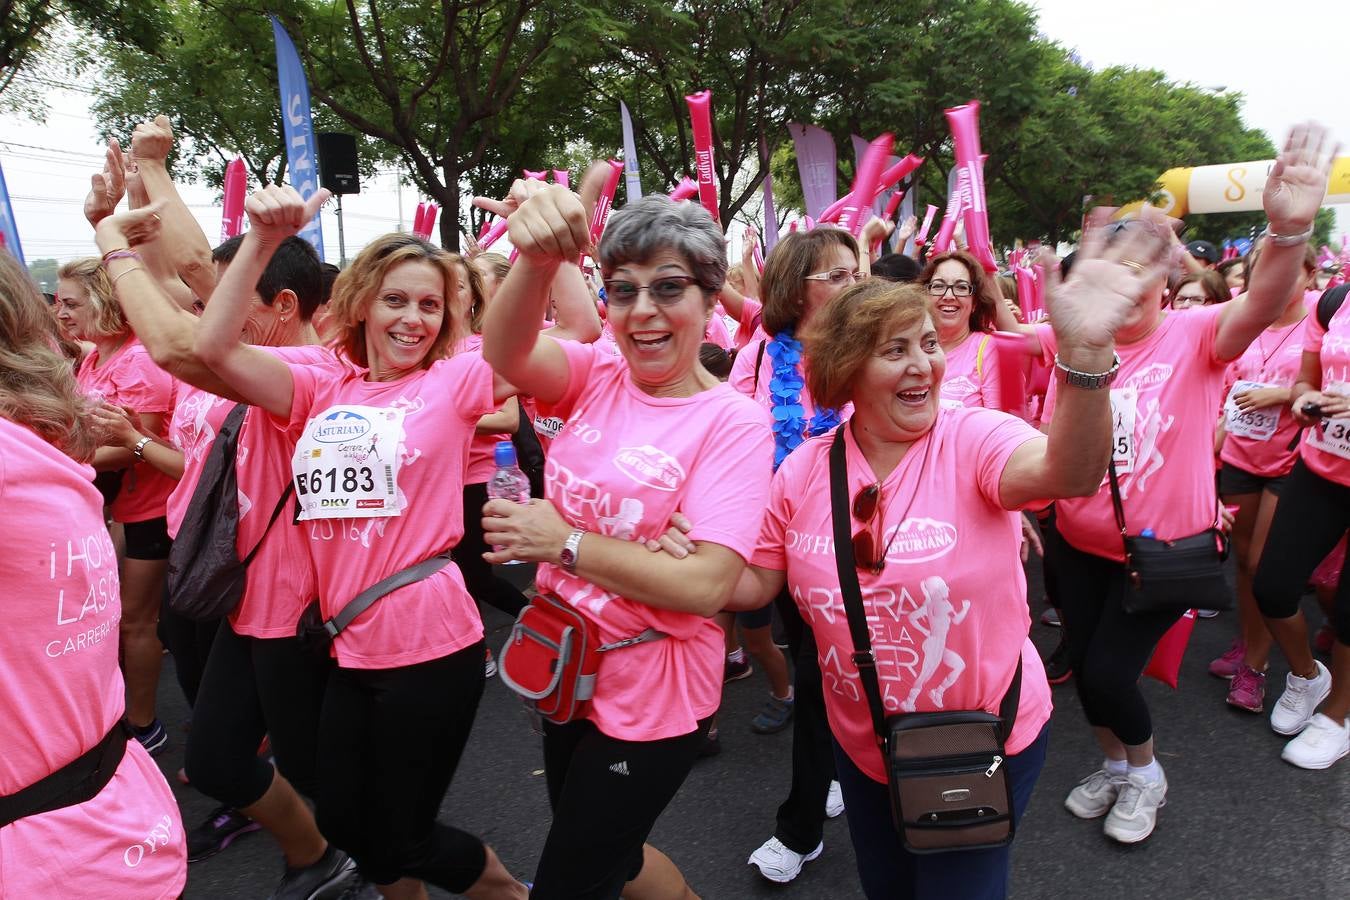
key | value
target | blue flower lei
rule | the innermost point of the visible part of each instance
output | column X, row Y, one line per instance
column 785, row 390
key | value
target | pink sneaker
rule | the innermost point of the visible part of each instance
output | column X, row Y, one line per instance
column 1247, row 690
column 1227, row 666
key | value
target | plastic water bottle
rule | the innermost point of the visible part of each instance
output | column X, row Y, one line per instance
column 508, row 482
column 1148, row 533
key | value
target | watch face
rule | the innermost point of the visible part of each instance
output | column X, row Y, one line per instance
column 567, row 558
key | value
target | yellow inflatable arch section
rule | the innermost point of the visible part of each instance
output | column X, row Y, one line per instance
column 1232, row 187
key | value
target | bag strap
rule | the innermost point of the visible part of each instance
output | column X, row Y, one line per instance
column 366, row 599
column 759, row 358
column 1116, row 505
column 979, row 356
column 281, row 504
column 651, row 634
column 863, row 657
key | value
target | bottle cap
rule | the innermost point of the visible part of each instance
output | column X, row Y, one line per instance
column 504, row 454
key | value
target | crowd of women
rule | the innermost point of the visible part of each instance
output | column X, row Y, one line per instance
column 863, row 471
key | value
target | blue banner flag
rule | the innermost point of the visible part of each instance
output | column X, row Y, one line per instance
column 9, row 232
column 632, row 183
column 302, row 156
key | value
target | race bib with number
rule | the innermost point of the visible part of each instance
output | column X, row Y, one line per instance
column 1256, row 424
column 346, row 463
column 1124, row 405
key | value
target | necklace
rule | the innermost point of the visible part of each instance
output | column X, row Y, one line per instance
column 790, row 427
column 1261, row 347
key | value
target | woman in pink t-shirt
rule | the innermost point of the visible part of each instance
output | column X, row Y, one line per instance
column 1172, row 367
column 1313, row 515
column 967, row 302
column 1259, row 440
column 119, row 371
column 645, row 436
column 378, row 471
column 934, row 493
column 116, row 832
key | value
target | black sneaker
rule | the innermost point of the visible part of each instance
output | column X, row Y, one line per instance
column 736, row 671
column 218, row 832
column 153, row 737
column 712, row 746
column 330, row 876
column 1057, row 667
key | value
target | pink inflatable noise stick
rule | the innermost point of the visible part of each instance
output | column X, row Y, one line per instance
column 429, row 221
column 541, row 175
column 955, row 204
column 232, row 212
column 1011, row 350
column 891, row 206
column 889, row 179
column 700, row 117
column 605, row 201
column 860, row 198
column 560, row 176
column 687, row 188
column 964, row 122
column 922, row 236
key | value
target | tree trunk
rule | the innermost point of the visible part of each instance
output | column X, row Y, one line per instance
column 449, row 202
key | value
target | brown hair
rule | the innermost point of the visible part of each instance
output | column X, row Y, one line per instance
column 356, row 288
column 89, row 273
column 37, row 383
column 985, row 295
column 782, row 287
column 501, row 266
column 477, row 301
column 845, row 334
column 1210, row 281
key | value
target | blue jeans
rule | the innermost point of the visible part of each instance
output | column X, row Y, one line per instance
column 888, row 871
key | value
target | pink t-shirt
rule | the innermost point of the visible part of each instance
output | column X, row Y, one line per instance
column 972, row 373
column 63, row 691
column 131, row 378
column 1162, row 408
column 1258, row 441
column 428, row 619
column 1326, row 446
column 481, row 461
column 623, row 464
column 750, row 327
column 717, row 331
column 948, row 614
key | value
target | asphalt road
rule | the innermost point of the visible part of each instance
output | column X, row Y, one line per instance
column 1239, row 822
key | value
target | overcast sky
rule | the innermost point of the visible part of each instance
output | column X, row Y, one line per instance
column 1275, row 54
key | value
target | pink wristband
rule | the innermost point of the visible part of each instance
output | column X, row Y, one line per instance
column 124, row 253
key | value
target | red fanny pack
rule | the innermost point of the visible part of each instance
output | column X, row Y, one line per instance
column 552, row 657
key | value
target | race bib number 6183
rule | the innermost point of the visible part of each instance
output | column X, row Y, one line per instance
column 346, row 463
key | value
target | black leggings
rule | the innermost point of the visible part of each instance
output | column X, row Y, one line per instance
column 1108, row 647
column 253, row 687
column 484, row 586
column 801, row 817
column 1312, row 516
column 189, row 643
column 606, row 795
column 391, row 740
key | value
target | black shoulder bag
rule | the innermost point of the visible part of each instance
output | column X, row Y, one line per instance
column 1171, row 575
column 948, row 782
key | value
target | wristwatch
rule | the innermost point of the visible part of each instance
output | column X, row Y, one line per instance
column 1089, row 381
column 568, row 557
column 139, row 450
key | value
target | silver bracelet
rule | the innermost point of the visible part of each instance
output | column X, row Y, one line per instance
column 1288, row 240
column 1090, row 381
column 139, row 449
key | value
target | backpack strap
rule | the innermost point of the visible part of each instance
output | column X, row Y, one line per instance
column 979, row 357
column 1329, row 303
column 281, row 504
column 759, row 358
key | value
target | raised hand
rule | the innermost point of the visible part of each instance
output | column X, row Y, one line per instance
column 152, row 141
column 1298, row 180
column 129, row 229
column 107, row 187
column 547, row 221
column 278, row 211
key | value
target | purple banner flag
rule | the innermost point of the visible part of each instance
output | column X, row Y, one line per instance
column 816, row 166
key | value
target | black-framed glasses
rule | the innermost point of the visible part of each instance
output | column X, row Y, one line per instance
column 866, row 543
column 958, row 288
column 837, row 277
column 1189, row 301
column 664, row 291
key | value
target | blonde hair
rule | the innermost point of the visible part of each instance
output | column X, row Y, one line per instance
column 356, row 289
column 89, row 273
column 37, row 383
column 846, row 332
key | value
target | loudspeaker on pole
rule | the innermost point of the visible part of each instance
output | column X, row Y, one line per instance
column 337, row 162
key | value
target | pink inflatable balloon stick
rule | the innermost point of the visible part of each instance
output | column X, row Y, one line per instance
column 893, row 205
column 418, row 217
column 560, row 176
column 700, row 117
column 964, row 122
column 429, row 220
column 860, row 198
column 687, row 188
column 606, row 199
column 889, row 179
column 541, row 175
column 236, row 185
column 494, row 233
column 955, row 205
column 922, row 236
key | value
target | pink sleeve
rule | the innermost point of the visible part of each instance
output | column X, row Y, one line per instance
column 581, row 360
column 1205, row 321
column 742, row 378
column 989, row 374
column 145, row 387
column 739, row 455
column 1313, row 333
column 304, row 387
column 752, row 313
column 771, row 547
column 993, row 436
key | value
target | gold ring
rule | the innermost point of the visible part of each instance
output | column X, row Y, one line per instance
column 1137, row 266
column 157, row 218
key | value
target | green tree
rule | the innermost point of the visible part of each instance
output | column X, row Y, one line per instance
column 43, row 271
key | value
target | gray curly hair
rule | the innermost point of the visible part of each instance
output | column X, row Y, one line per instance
column 656, row 224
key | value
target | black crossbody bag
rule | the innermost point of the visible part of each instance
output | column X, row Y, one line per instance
column 947, row 771
column 1171, row 575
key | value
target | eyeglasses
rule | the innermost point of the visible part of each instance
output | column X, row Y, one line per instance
column 665, row 291
column 866, row 506
column 837, row 277
column 958, row 288
column 1184, row 302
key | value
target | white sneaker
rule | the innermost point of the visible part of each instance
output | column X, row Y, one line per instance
column 1319, row 745
column 777, row 863
column 834, row 801
column 489, row 665
column 1095, row 795
column 1136, row 811
column 1299, row 700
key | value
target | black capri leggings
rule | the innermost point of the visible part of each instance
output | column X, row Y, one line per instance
column 484, row 585
column 606, row 795
column 391, row 740
column 1108, row 647
column 1312, row 516
column 253, row 687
